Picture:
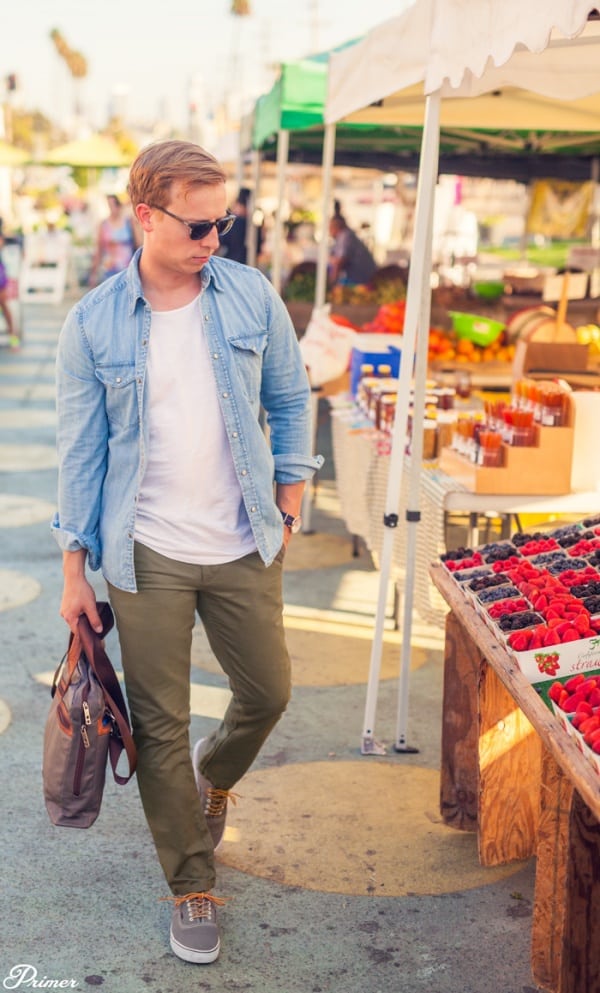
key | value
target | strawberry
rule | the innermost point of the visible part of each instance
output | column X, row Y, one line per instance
column 571, row 635
column 582, row 623
column 572, row 683
column 555, row 691
column 572, row 703
column 551, row 638
column 519, row 641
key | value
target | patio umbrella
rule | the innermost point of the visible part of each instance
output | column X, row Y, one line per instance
column 95, row 152
column 12, row 156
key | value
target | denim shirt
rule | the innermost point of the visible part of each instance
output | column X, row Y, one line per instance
column 102, row 401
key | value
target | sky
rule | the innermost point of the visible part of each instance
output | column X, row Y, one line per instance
column 155, row 51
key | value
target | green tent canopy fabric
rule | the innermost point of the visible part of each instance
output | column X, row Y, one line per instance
column 560, row 146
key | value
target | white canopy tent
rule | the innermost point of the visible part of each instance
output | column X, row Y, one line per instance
column 501, row 55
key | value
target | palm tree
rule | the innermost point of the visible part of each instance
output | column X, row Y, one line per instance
column 75, row 62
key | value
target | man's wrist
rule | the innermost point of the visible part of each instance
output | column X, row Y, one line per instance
column 292, row 522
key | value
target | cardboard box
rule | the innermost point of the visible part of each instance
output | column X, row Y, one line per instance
column 375, row 353
column 573, row 657
column 542, row 469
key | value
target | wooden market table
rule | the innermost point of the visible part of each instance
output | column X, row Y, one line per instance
column 511, row 773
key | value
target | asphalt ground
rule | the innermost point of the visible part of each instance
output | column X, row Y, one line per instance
column 338, row 871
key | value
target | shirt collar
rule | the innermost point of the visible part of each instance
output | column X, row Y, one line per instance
column 210, row 274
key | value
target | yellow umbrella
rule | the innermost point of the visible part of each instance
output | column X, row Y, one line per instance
column 11, row 156
column 96, row 152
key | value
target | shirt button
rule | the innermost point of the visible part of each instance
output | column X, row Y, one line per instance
column 139, row 380
column 145, row 341
column 252, row 510
column 225, row 395
column 244, row 472
column 206, row 317
column 118, row 379
column 215, row 355
column 234, row 435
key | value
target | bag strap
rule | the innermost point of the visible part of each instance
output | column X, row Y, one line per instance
column 93, row 648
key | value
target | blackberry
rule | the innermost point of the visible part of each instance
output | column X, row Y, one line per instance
column 582, row 590
column 514, row 622
column 498, row 552
column 498, row 593
column 455, row 554
column 483, row 582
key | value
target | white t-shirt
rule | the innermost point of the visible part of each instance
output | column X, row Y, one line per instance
column 190, row 505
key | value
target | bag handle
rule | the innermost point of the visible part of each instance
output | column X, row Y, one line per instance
column 93, row 648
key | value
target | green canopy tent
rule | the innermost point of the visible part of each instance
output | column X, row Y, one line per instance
column 288, row 124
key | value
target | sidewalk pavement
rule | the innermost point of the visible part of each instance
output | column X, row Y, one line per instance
column 339, row 873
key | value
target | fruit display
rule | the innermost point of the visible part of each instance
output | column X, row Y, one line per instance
column 576, row 703
column 389, row 319
column 589, row 334
column 540, row 597
column 447, row 346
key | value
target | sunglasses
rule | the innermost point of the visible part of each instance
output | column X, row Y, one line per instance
column 199, row 229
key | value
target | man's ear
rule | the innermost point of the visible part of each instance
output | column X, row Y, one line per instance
column 145, row 216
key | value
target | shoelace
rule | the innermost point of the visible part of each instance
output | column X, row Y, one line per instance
column 199, row 905
column 216, row 801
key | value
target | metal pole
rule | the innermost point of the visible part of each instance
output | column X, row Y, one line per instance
column 412, row 511
column 419, row 278
column 251, row 230
column 327, row 180
column 283, row 143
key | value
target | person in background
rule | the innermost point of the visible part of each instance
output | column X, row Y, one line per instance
column 233, row 242
column 116, row 242
column 4, row 304
column 350, row 260
column 168, row 482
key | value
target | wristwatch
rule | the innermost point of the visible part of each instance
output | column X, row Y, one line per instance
column 293, row 523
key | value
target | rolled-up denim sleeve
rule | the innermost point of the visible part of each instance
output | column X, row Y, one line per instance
column 286, row 398
column 82, row 443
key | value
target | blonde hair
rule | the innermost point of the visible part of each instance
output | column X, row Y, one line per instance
column 163, row 163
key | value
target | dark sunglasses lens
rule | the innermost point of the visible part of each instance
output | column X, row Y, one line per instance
column 198, row 231
column 224, row 224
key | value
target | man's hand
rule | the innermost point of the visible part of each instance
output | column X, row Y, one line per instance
column 78, row 595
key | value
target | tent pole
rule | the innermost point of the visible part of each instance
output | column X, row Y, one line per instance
column 431, row 154
column 251, row 229
column 283, row 144
column 418, row 287
column 327, row 178
column 320, row 295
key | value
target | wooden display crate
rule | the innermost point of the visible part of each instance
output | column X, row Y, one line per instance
column 544, row 468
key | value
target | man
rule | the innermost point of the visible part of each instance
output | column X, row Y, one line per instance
column 168, row 483
column 350, row 260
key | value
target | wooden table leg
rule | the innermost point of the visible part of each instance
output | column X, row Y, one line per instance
column 490, row 755
column 459, row 784
column 509, row 775
column 565, row 943
column 580, row 967
column 548, row 923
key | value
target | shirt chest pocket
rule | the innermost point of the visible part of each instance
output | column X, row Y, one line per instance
column 120, row 390
column 247, row 352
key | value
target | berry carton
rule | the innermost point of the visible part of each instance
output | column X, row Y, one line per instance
column 545, row 662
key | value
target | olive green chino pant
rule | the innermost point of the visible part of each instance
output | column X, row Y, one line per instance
column 240, row 605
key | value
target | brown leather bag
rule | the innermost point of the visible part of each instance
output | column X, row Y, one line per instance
column 88, row 723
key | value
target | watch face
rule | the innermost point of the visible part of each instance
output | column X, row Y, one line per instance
column 293, row 523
